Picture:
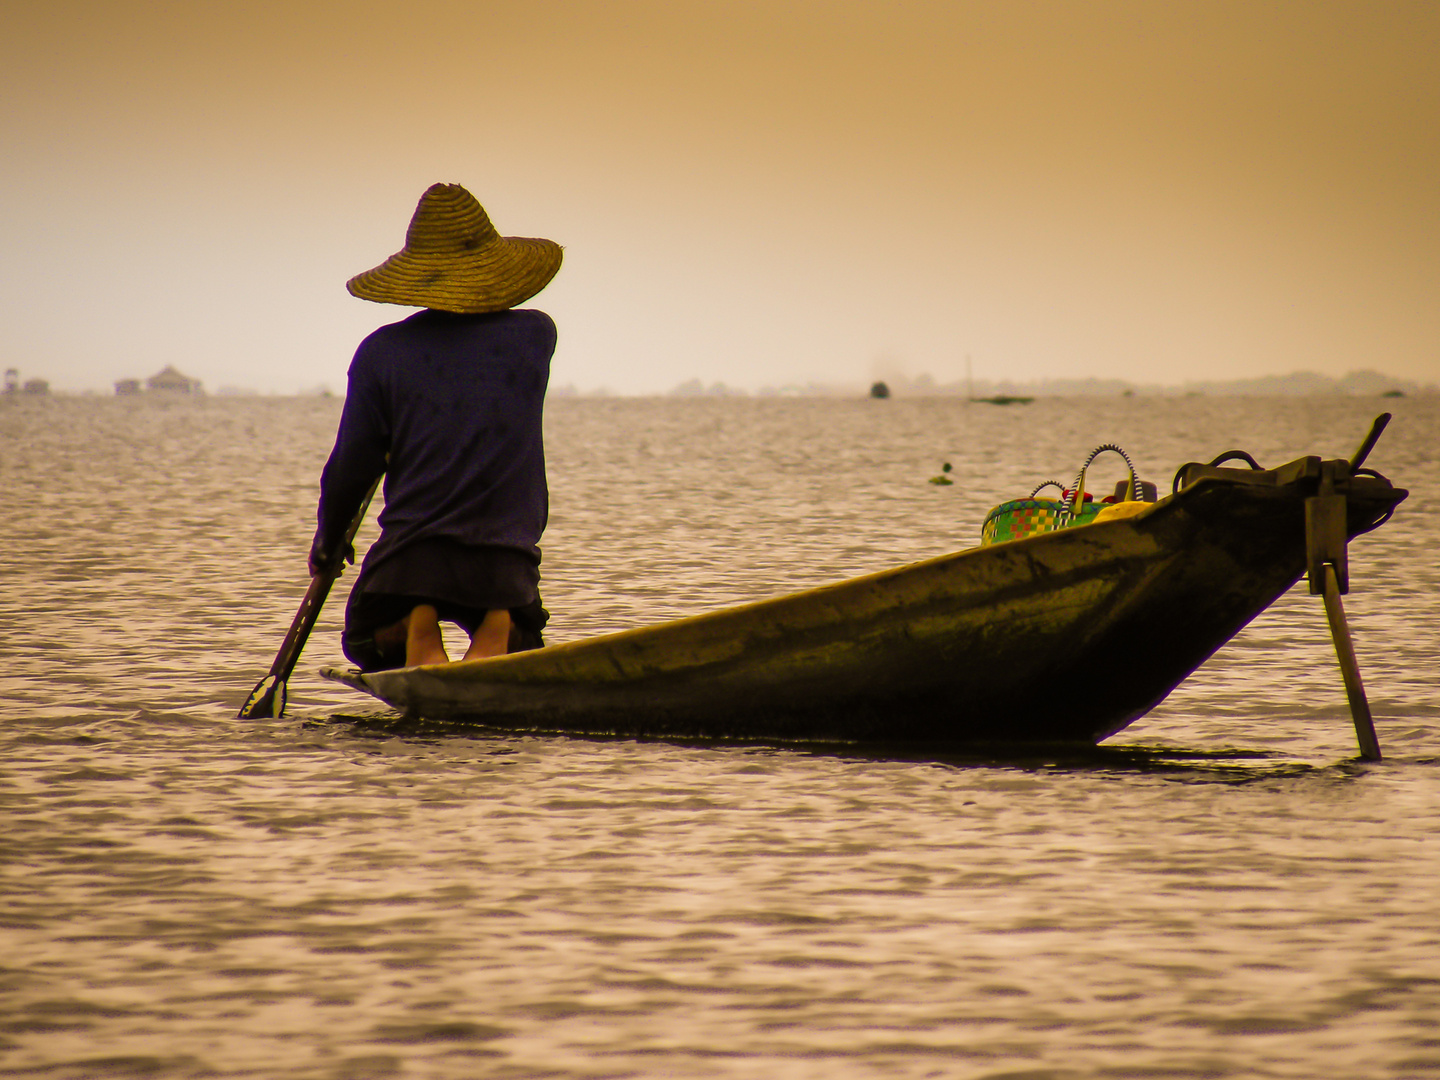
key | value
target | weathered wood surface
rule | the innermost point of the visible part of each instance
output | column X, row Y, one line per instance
column 1064, row 637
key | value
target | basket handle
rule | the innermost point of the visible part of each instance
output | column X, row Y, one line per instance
column 1048, row 483
column 1077, row 497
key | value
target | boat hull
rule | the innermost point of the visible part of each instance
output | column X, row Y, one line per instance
column 1066, row 637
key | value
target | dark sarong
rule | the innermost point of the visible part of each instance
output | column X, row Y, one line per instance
column 461, row 582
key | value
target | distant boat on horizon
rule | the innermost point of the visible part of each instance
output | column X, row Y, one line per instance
column 1003, row 399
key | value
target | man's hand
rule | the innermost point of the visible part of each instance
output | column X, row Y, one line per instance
column 321, row 560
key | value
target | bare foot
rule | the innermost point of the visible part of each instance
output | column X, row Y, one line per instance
column 491, row 637
column 423, row 641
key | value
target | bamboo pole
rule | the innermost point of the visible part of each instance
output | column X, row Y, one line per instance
column 1350, row 668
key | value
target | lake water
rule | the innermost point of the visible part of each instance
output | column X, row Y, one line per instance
column 1221, row 890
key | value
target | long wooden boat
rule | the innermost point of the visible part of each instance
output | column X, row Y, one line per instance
column 1063, row 637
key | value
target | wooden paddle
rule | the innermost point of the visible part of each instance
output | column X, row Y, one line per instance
column 1330, row 577
column 267, row 700
column 1365, row 735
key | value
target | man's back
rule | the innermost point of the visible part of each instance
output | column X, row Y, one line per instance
column 456, row 402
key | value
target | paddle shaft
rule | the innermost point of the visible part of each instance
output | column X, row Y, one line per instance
column 1340, row 629
column 261, row 702
column 1350, row 668
column 1370, row 440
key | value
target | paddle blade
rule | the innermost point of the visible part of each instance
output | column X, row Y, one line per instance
column 266, row 701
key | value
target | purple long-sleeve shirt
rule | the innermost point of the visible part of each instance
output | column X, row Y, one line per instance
column 455, row 401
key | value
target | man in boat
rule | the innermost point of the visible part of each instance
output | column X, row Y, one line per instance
column 447, row 404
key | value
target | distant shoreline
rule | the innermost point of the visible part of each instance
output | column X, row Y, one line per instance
column 1298, row 384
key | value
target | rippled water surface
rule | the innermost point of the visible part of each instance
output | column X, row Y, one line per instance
column 1221, row 890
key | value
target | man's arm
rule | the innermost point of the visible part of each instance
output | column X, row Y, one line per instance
column 356, row 462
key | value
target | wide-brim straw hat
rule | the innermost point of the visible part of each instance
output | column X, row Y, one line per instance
column 455, row 260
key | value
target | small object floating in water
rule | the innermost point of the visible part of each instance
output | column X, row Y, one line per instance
column 879, row 390
column 1003, row 399
column 943, row 479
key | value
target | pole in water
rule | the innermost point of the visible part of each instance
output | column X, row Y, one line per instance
column 1326, row 538
column 1350, row 669
column 267, row 700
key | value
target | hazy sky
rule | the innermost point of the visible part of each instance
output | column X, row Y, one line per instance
column 758, row 193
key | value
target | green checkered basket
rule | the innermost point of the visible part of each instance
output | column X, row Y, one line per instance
column 1019, row 518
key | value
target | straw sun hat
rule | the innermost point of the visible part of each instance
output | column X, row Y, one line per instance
column 455, row 260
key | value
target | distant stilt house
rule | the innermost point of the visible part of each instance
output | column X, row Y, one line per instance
column 171, row 381
column 33, row 387
column 125, row 387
